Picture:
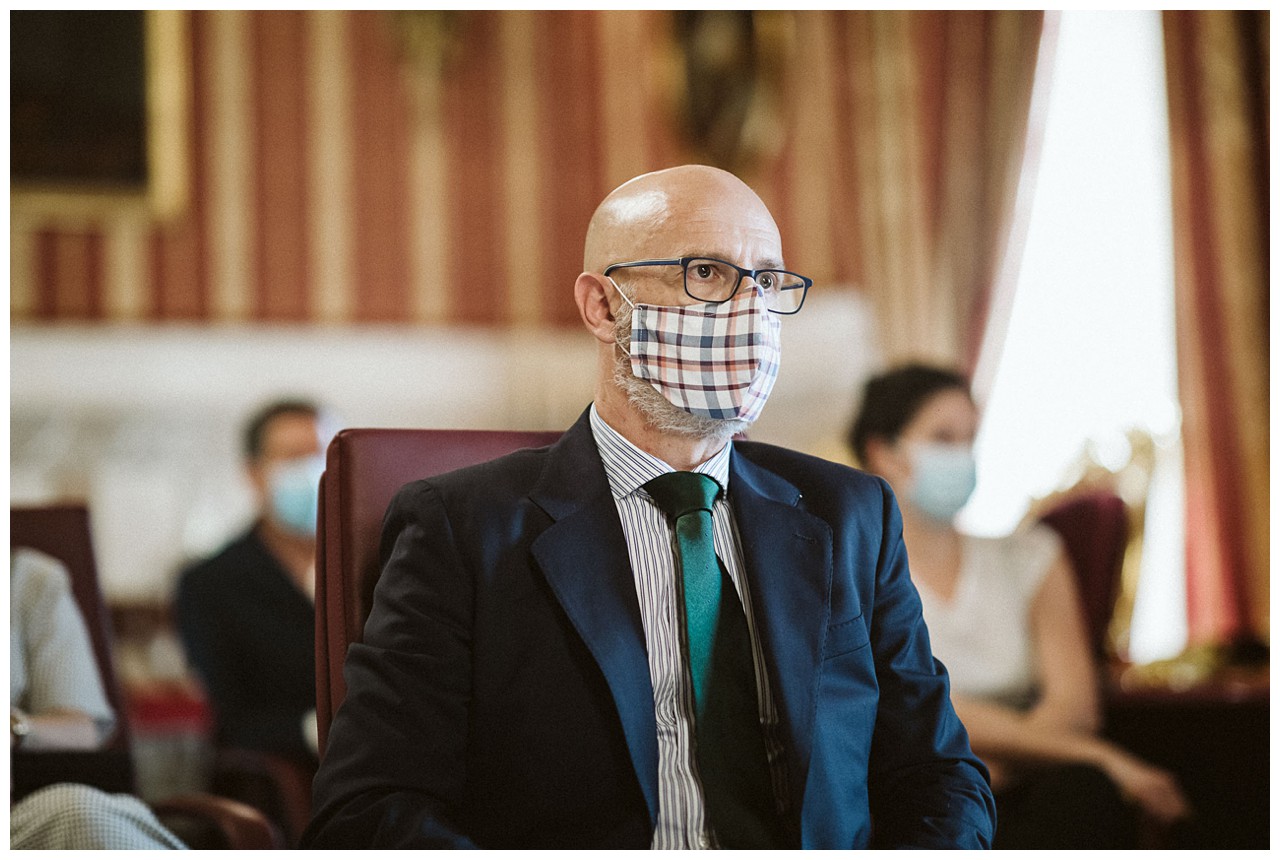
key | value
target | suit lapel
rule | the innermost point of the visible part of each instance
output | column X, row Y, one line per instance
column 787, row 554
column 583, row 555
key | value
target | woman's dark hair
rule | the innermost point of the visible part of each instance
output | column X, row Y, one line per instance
column 891, row 400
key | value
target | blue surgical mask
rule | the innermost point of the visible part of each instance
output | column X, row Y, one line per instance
column 295, row 494
column 942, row 479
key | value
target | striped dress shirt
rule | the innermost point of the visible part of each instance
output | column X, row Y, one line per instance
column 652, row 549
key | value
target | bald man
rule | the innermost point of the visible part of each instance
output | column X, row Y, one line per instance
column 556, row 658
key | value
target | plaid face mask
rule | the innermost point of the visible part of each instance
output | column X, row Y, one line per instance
column 714, row 360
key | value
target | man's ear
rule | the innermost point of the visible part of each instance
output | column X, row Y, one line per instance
column 256, row 473
column 591, row 292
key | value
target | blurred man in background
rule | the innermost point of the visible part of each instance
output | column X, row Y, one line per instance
column 246, row 615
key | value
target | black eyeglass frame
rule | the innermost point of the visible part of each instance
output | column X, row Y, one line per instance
column 683, row 263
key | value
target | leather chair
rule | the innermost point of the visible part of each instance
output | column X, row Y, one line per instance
column 62, row 531
column 278, row 787
column 201, row 820
column 364, row 469
column 1094, row 527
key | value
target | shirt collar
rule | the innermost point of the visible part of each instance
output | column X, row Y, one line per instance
column 628, row 468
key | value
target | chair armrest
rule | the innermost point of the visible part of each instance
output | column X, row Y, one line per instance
column 108, row 769
column 235, row 825
column 279, row 786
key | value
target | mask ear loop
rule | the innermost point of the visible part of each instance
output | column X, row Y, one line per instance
column 620, row 292
column 625, row 352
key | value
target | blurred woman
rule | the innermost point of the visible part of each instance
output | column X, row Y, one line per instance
column 57, row 704
column 1004, row 617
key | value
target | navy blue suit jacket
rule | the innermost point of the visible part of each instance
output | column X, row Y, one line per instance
column 501, row 696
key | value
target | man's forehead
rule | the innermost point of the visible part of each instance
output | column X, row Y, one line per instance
column 715, row 228
column 640, row 207
column 688, row 211
column 288, row 430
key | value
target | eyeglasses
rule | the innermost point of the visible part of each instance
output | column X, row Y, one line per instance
column 710, row 280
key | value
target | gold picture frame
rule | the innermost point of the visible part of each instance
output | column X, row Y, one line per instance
column 164, row 193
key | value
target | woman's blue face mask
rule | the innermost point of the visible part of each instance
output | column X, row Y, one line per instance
column 942, row 479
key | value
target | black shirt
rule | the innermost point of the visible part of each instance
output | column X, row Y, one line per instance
column 250, row 634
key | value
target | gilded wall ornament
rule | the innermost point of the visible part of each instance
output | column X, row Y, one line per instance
column 724, row 76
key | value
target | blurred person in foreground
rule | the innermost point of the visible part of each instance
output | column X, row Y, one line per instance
column 57, row 703
column 246, row 616
column 648, row 634
column 1005, row 619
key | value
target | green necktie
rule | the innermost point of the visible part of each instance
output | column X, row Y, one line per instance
column 729, row 744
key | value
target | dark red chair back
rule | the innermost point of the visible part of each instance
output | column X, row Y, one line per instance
column 364, row 469
column 63, row 531
column 1095, row 529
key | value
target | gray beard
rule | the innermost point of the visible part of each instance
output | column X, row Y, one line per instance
column 659, row 412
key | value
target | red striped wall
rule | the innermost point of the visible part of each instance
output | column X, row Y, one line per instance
column 280, row 118
column 380, row 221
column 475, row 273
column 247, row 248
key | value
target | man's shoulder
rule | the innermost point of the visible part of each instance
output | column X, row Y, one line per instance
column 572, row 458
column 241, row 555
column 807, row 471
column 510, row 476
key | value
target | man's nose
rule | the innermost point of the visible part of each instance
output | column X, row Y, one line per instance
column 755, row 285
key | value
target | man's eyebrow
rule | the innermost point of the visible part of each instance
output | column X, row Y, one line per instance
column 767, row 263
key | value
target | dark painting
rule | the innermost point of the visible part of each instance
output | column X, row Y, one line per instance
column 78, row 104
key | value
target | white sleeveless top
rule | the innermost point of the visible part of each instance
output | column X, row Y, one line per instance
column 983, row 634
